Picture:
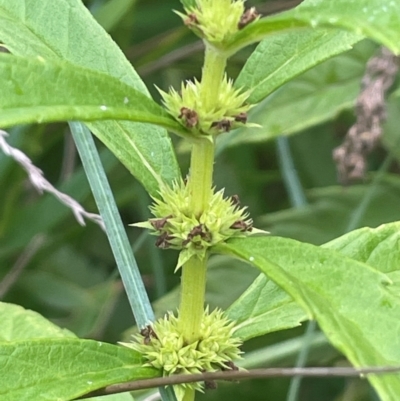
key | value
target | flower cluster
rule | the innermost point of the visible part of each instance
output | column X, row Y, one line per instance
column 177, row 227
column 231, row 18
column 164, row 348
column 187, row 106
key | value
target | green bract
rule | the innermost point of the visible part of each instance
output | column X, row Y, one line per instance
column 188, row 107
column 177, row 227
column 163, row 346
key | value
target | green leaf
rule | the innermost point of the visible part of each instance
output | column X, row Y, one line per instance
column 316, row 96
column 374, row 19
column 322, row 281
column 37, row 90
column 378, row 247
column 18, row 323
column 369, row 18
column 65, row 30
column 79, row 366
column 140, row 147
column 279, row 58
column 264, row 308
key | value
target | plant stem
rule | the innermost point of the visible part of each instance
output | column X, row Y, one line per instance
column 192, row 298
column 201, row 171
column 193, row 278
column 212, row 75
column 200, row 184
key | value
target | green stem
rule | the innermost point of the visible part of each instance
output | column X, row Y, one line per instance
column 200, row 183
column 201, row 171
column 193, row 280
column 213, row 73
column 192, row 298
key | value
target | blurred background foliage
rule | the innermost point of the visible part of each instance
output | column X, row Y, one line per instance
column 67, row 273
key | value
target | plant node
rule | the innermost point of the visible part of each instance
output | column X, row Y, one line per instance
column 228, row 112
column 177, row 227
column 163, row 347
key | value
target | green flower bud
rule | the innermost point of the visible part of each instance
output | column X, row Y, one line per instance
column 177, row 227
column 163, row 347
column 217, row 21
column 188, row 108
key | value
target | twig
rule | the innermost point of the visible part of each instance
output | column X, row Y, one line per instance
column 242, row 374
column 37, row 179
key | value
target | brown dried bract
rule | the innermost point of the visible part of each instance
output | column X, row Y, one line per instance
column 235, row 200
column 200, row 230
column 148, row 333
column 241, row 225
column 241, row 118
column 191, row 20
column 248, row 16
column 230, row 366
column 163, row 241
column 223, row 125
column 190, row 116
column 158, row 224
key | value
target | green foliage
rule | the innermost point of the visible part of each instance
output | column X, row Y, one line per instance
column 20, row 324
column 28, row 30
column 264, row 308
column 279, row 58
column 363, row 17
column 64, row 66
column 91, row 96
column 314, row 97
column 87, row 365
column 322, row 281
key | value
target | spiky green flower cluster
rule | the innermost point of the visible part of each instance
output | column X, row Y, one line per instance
column 215, row 21
column 177, row 227
column 163, row 346
column 188, row 107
